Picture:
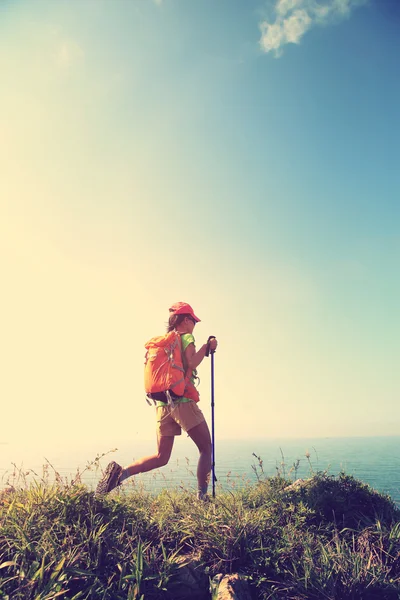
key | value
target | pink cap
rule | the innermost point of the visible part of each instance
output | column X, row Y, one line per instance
column 183, row 308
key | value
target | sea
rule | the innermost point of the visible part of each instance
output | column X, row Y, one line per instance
column 373, row 460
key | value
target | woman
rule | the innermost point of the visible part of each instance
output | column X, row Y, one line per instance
column 171, row 419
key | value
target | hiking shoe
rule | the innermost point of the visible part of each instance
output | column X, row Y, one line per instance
column 110, row 479
column 203, row 497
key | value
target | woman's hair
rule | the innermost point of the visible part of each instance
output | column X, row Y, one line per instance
column 175, row 320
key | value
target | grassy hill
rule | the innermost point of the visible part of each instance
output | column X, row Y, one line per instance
column 334, row 537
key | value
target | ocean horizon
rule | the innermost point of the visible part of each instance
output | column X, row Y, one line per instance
column 373, row 460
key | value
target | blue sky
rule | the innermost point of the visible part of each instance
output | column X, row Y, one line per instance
column 240, row 156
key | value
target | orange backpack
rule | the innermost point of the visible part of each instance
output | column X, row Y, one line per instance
column 164, row 374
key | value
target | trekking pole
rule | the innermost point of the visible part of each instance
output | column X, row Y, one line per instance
column 214, row 479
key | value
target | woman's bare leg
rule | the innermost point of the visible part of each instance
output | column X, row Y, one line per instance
column 201, row 437
column 148, row 463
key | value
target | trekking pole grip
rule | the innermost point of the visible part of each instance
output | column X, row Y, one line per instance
column 211, row 337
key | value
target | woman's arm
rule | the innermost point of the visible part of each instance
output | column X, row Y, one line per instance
column 193, row 358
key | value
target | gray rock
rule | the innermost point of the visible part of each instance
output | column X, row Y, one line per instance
column 299, row 483
column 189, row 580
column 233, row 587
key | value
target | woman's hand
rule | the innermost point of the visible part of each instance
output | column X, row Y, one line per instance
column 213, row 344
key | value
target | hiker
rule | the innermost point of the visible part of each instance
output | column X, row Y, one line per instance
column 172, row 417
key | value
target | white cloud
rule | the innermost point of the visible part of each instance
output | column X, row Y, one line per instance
column 284, row 6
column 296, row 25
column 293, row 18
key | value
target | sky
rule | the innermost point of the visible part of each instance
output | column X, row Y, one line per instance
column 239, row 156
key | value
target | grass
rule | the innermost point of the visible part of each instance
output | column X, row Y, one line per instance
column 334, row 538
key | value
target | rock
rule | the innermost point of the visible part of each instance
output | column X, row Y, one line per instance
column 190, row 580
column 233, row 587
column 214, row 584
column 294, row 487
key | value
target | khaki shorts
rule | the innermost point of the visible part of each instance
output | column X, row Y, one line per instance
column 171, row 421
